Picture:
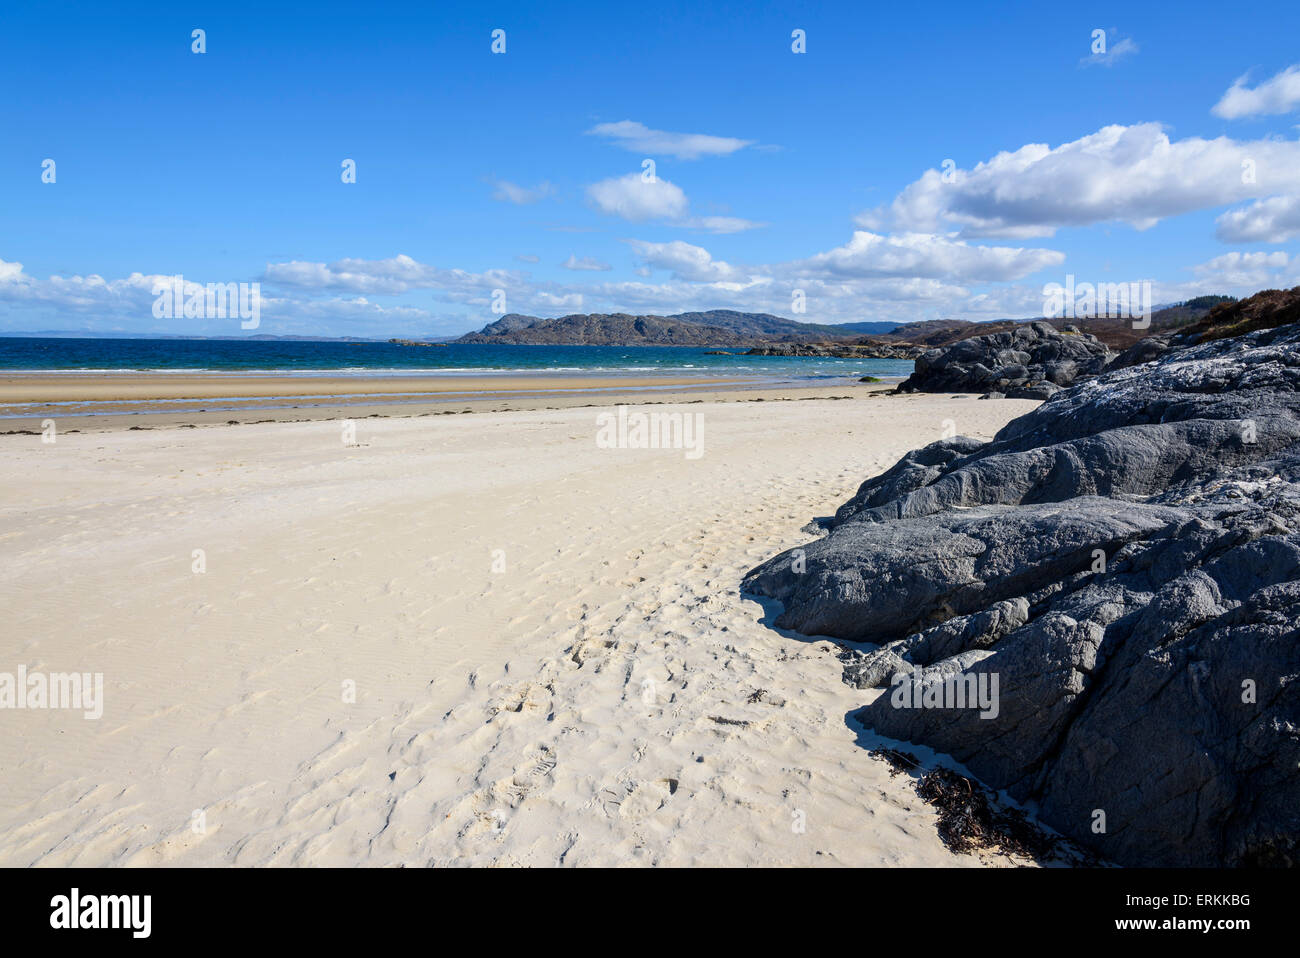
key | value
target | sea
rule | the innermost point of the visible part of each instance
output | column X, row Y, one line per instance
column 304, row 358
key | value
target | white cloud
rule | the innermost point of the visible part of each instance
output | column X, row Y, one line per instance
column 1279, row 94
column 508, row 192
column 687, row 262
column 636, row 198
column 587, row 263
column 544, row 300
column 1132, row 174
column 403, row 274
column 94, row 303
column 528, row 258
column 1273, row 220
column 639, row 138
column 1239, row 260
column 133, row 295
column 911, row 258
column 721, row 224
column 1232, row 274
column 924, row 255
column 1114, row 52
column 1236, row 271
column 396, row 275
column 393, row 276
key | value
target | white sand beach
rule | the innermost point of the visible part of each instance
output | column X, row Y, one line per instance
column 551, row 661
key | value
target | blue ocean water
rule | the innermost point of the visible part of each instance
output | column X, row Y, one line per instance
column 374, row 359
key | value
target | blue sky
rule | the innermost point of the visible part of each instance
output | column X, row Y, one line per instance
column 775, row 171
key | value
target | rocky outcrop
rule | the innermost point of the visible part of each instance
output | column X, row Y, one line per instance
column 1265, row 310
column 1032, row 361
column 1120, row 570
column 1143, row 351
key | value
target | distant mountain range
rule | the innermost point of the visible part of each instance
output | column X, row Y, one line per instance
column 726, row 327
column 717, row 327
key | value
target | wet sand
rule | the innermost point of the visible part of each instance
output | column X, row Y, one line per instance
column 95, row 403
column 66, row 387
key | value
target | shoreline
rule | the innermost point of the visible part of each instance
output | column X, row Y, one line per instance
column 158, row 385
column 103, row 406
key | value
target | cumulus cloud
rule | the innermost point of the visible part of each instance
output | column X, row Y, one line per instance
column 548, row 300
column 1238, row 260
column 396, row 275
column 403, row 274
column 1279, row 94
column 587, row 263
column 1232, row 274
column 871, row 256
column 911, row 258
column 1273, row 220
column 686, row 262
column 1132, row 174
column 102, row 304
column 639, row 138
column 508, row 192
column 637, row 198
column 132, row 295
column 1237, row 270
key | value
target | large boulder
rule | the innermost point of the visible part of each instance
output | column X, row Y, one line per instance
column 1029, row 361
column 1121, row 567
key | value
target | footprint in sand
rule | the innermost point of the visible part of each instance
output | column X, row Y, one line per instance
column 637, row 800
column 531, row 775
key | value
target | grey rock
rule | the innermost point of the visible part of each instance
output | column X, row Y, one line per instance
column 1124, row 561
column 963, row 633
column 1143, row 351
column 1026, row 357
column 867, row 670
column 1038, row 390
